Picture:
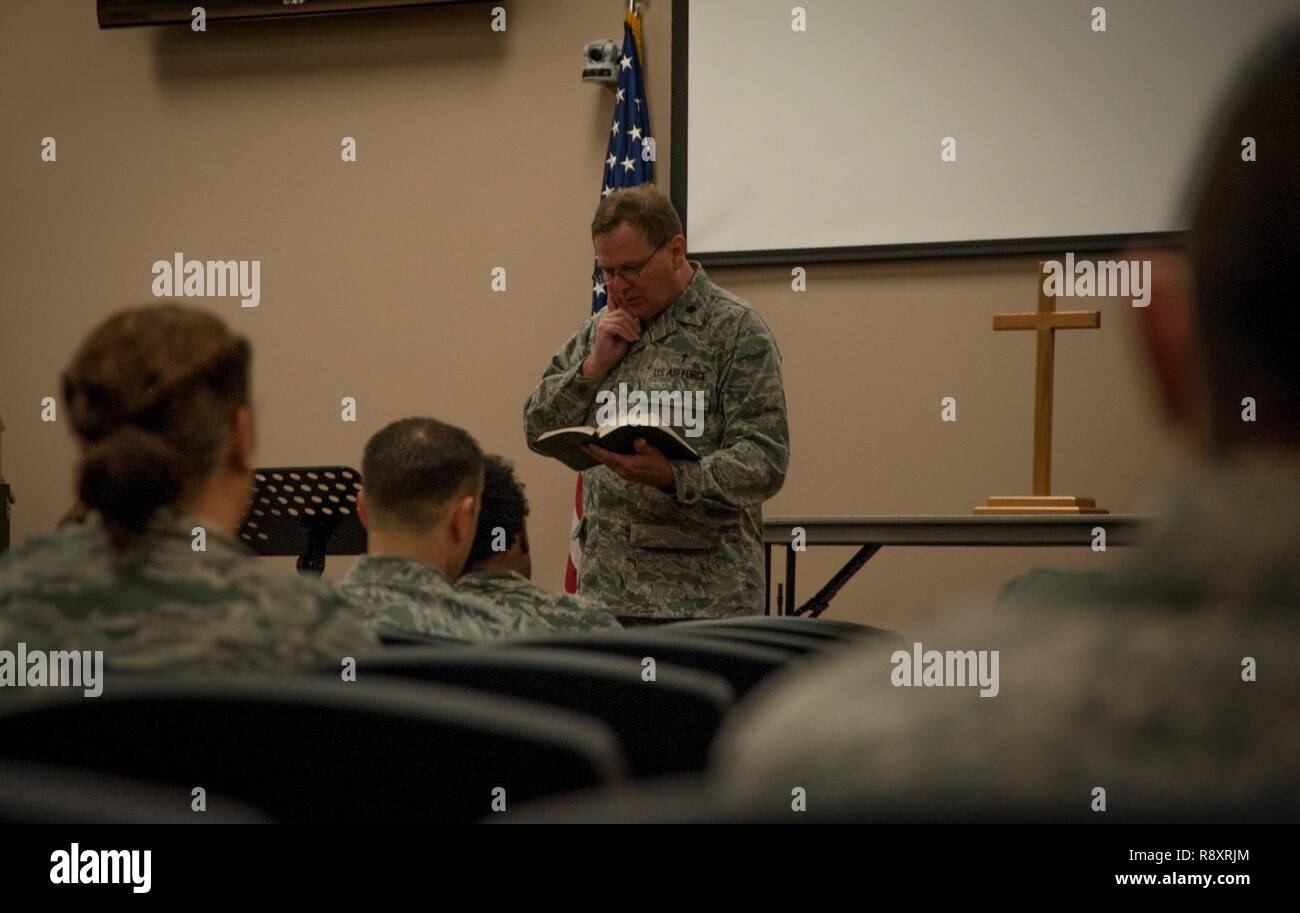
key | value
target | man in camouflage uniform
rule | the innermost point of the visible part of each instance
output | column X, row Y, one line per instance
column 420, row 502
column 400, row 595
column 160, row 604
column 500, row 565
column 667, row 540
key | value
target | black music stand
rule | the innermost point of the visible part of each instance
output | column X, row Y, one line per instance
column 308, row 511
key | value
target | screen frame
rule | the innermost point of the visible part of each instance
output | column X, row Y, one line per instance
column 991, row 247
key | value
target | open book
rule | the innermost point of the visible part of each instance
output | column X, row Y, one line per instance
column 565, row 444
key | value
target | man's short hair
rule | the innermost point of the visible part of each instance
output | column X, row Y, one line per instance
column 414, row 467
column 645, row 207
column 504, row 507
column 1244, row 247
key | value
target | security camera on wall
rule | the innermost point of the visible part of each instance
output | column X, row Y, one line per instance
column 601, row 63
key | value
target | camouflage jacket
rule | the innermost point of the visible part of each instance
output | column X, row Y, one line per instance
column 414, row 596
column 695, row 552
column 159, row 604
column 561, row 611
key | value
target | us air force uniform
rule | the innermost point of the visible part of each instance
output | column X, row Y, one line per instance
column 559, row 611
column 161, row 605
column 411, row 596
column 696, row 552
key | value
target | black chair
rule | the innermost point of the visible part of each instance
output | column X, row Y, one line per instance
column 39, row 794
column 312, row 750
column 742, row 665
column 798, row 644
column 665, row 726
column 822, row 628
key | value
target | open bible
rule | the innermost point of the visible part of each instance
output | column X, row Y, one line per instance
column 565, row 444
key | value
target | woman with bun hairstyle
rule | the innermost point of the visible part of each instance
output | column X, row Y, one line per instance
column 158, row 398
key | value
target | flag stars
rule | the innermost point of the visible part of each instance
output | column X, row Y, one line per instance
column 628, row 136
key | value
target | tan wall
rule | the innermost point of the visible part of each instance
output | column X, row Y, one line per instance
column 477, row 150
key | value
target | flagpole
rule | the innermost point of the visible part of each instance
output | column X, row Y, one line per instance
column 629, row 130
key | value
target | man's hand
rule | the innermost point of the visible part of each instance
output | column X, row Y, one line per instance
column 616, row 330
column 648, row 466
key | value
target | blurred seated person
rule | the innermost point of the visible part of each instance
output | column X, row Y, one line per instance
column 152, row 574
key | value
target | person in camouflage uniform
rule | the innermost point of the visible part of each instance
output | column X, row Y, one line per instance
column 422, row 482
column 665, row 539
column 500, row 566
column 1170, row 683
column 158, row 399
column 408, row 596
column 159, row 604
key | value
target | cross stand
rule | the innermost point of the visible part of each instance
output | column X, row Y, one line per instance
column 1045, row 322
column 308, row 511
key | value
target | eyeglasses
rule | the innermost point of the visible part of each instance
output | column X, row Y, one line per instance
column 631, row 271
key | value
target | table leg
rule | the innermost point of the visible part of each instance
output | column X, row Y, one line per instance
column 821, row 601
column 788, row 608
column 767, row 578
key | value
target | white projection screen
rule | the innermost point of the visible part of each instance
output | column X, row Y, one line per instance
column 825, row 144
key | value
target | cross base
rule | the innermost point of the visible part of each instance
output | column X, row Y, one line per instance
column 1039, row 504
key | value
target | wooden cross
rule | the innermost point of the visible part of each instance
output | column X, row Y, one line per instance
column 1045, row 322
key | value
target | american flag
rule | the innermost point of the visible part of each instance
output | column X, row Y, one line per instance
column 626, row 165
